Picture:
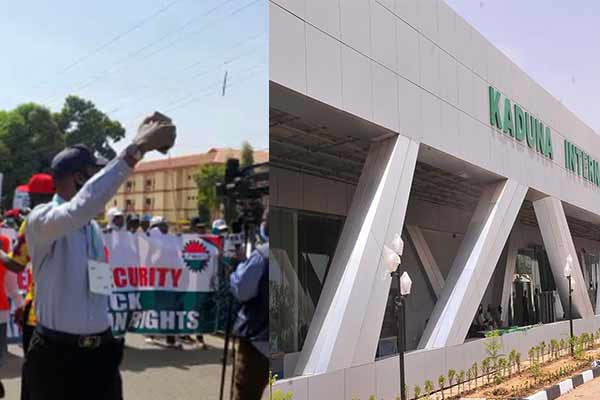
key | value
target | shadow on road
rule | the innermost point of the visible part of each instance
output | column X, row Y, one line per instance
column 137, row 359
column 11, row 367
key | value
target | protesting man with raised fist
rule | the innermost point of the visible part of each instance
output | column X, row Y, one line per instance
column 72, row 354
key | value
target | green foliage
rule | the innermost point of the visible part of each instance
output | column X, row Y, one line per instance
column 451, row 375
column 30, row 136
column 441, row 383
column 460, row 377
column 554, row 348
column 428, row 385
column 279, row 395
column 417, row 390
column 247, row 155
column 493, row 346
column 208, row 176
column 82, row 122
column 485, row 368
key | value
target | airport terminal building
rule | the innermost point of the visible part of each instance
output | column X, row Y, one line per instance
column 399, row 117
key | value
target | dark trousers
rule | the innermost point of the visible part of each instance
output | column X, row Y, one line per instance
column 58, row 370
column 27, row 332
column 251, row 372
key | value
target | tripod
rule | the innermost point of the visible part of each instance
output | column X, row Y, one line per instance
column 249, row 242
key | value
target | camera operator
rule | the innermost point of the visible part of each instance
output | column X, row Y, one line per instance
column 249, row 284
column 72, row 353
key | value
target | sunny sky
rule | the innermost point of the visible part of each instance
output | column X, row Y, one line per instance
column 556, row 43
column 132, row 57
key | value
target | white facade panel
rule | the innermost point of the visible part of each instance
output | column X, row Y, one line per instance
column 429, row 60
column 323, row 67
column 448, row 78
column 408, row 51
column 325, row 15
column 385, row 97
column 287, row 53
column 409, row 109
column 383, row 36
column 356, row 25
column 357, row 88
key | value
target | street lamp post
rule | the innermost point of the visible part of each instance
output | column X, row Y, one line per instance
column 392, row 262
column 567, row 272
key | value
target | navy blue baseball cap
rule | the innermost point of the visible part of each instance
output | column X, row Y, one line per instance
column 75, row 158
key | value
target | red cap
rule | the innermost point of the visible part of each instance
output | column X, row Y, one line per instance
column 23, row 188
column 41, row 183
column 12, row 213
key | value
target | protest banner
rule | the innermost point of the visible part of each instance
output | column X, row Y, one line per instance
column 162, row 284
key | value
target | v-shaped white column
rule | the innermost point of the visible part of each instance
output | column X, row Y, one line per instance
column 559, row 244
column 474, row 264
column 347, row 322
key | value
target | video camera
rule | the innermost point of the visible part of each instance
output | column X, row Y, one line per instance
column 245, row 188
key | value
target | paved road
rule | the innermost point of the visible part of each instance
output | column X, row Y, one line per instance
column 588, row 391
column 150, row 372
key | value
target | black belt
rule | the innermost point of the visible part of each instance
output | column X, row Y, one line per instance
column 91, row 341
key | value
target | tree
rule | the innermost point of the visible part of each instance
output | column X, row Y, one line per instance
column 82, row 122
column 29, row 138
column 247, row 156
column 206, row 180
column 31, row 135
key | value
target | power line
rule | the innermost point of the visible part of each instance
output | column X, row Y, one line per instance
column 123, row 61
column 228, row 61
column 116, row 38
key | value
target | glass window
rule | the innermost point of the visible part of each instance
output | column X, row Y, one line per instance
column 302, row 247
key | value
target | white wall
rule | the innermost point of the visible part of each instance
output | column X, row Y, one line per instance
column 419, row 69
column 290, row 189
column 380, row 378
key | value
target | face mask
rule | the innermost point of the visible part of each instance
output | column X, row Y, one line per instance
column 78, row 186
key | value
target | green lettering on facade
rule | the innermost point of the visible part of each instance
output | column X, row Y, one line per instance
column 519, row 124
column 508, row 119
column 539, row 137
column 529, row 130
column 494, row 108
column 548, row 147
column 567, row 158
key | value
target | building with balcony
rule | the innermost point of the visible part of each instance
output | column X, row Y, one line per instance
column 167, row 186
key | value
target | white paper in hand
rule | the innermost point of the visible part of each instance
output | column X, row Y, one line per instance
column 100, row 277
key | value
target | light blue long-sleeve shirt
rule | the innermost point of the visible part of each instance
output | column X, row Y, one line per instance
column 61, row 239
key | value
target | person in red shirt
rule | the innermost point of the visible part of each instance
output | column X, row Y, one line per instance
column 8, row 288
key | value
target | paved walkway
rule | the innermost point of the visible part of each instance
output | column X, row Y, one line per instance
column 588, row 391
column 150, row 372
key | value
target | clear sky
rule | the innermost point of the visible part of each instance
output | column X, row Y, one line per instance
column 555, row 42
column 132, row 57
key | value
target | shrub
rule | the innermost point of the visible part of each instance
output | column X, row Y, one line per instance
column 417, row 391
column 518, row 361
column 279, row 395
column 428, row 388
column 451, row 375
column 461, row 379
column 441, row 382
column 485, row 367
column 469, row 374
